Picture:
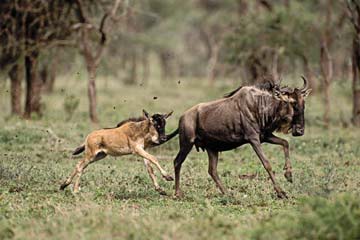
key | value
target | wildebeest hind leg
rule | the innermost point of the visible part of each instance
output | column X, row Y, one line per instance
column 180, row 158
column 213, row 161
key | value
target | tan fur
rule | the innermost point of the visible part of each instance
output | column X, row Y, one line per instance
column 130, row 138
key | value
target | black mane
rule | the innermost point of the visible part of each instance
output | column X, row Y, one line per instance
column 131, row 119
column 266, row 82
column 227, row 95
column 267, row 86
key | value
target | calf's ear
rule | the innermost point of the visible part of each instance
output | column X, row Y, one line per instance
column 168, row 114
column 306, row 93
column 146, row 114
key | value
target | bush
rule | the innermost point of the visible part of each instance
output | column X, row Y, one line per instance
column 316, row 218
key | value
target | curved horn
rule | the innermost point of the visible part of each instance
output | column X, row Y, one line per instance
column 306, row 84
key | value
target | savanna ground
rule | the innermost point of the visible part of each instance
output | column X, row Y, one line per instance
column 117, row 199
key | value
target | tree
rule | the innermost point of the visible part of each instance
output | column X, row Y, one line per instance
column 92, row 50
column 26, row 28
column 326, row 63
column 354, row 16
column 15, row 92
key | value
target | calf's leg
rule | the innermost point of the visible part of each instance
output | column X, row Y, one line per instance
column 79, row 170
column 141, row 152
column 68, row 180
column 150, row 170
column 84, row 164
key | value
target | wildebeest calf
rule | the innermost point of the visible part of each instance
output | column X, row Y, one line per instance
column 131, row 136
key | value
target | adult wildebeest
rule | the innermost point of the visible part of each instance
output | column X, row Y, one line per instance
column 249, row 114
column 131, row 136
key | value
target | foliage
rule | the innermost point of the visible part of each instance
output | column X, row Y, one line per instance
column 294, row 29
column 315, row 218
column 28, row 26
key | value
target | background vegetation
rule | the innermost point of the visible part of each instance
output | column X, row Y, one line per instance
column 163, row 55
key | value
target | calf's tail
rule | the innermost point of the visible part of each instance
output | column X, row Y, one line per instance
column 79, row 150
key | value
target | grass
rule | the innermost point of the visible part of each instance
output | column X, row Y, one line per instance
column 117, row 199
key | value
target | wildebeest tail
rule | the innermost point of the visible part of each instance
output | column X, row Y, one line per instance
column 79, row 150
column 171, row 135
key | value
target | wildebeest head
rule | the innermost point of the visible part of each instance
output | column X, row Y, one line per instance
column 158, row 122
column 295, row 106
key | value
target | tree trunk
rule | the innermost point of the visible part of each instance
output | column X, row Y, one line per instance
column 309, row 74
column 167, row 58
column 326, row 71
column 242, row 7
column 145, row 66
column 91, row 68
column 356, row 80
column 212, row 63
column 33, row 85
column 326, row 62
column 49, row 74
column 15, row 78
column 274, row 65
column 133, row 70
column 43, row 74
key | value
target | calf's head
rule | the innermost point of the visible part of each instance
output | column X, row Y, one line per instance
column 293, row 111
column 157, row 126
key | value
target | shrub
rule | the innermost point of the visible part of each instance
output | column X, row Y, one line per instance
column 316, row 218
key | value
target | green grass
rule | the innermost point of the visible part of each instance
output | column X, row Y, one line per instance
column 117, row 199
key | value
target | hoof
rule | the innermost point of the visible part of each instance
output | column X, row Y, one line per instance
column 178, row 194
column 288, row 176
column 224, row 191
column 63, row 186
column 168, row 178
column 161, row 191
column 76, row 191
column 282, row 195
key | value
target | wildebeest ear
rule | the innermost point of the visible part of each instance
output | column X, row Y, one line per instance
column 146, row 114
column 168, row 114
column 306, row 93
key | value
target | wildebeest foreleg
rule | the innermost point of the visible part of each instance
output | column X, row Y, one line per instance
column 150, row 170
column 140, row 151
column 279, row 141
column 213, row 161
column 256, row 145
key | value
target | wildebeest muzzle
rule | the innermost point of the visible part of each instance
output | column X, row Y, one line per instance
column 297, row 130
